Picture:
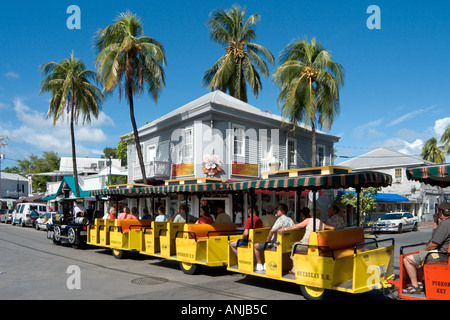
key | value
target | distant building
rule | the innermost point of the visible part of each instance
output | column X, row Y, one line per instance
column 12, row 187
column 421, row 198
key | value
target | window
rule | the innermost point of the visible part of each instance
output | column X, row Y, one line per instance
column 320, row 155
column 151, row 153
column 239, row 140
column 188, row 144
column 292, row 151
column 137, row 156
column 398, row 175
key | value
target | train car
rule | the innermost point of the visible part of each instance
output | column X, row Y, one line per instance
column 340, row 260
column 436, row 266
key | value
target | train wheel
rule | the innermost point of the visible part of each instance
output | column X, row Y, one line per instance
column 118, row 254
column 188, row 268
column 314, row 293
column 57, row 235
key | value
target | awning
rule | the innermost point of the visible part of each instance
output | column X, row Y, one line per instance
column 438, row 175
column 180, row 188
column 328, row 181
column 362, row 179
column 71, row 184
column 382, row 197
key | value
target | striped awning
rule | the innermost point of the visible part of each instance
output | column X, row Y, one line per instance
column 333, row 181
column 180, row 188
column 438, row 175
column 329, row 181
column 115, row 191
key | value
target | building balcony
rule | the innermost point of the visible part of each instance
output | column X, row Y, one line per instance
column 153, row 170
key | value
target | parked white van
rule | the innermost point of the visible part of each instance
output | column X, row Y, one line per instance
column 22, row 213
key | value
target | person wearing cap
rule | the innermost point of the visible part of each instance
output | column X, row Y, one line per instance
column 439, row 242
column 269, row 218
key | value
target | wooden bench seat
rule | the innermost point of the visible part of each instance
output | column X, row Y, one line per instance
column 201, row 232
column 124, row 225
column 342, row 242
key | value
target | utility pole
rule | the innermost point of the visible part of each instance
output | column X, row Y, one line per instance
column 2, row 156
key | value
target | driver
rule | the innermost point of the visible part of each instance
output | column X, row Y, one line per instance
column 439, row 242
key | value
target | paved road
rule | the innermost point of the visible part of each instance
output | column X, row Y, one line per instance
column 32, row 267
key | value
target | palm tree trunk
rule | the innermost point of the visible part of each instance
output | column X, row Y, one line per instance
column 133, row 121
column 314, row 147
column 74, row 156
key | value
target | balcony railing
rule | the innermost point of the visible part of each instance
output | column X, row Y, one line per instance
column 153, row 169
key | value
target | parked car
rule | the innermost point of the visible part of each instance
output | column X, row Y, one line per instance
column 5, row 215
column 397, row 222
column 43, row 220
column 23, row 213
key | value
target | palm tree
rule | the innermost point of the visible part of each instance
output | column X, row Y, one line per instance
column 445, row 139
column 73, row 94
column 309, row 81
column 124, row 54
column 432, row 152
column 242, row 59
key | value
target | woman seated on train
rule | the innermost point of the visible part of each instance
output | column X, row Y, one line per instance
column 307, row 223
column 205, row 216
column 126, row 214
column 162, row 216
column 257, row 223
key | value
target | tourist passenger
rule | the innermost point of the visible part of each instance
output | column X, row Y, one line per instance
column 243, row 241
column 126, row 214
column 307, row 223
column 335, row 217
column 283, row 221
column 135, row 213
column 147, row 215
column 269, row 218
column 112, row 213
column 222, row 217
column 162, row 216
column 182, row 214
column 440, row 239
column 205, row 216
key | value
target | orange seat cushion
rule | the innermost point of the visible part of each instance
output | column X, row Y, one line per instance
column 126, row 224
column 201, row 230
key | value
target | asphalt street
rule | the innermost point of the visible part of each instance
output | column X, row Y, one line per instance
column 33, row 268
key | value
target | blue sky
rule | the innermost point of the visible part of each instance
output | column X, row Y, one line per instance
column 396, row 91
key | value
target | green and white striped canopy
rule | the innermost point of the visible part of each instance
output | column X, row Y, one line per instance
column 330, row 181
column 438, row 175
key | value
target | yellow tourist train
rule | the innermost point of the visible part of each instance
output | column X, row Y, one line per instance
column 333, row 260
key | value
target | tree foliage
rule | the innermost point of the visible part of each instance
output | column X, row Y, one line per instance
column 48, row 162
column 367, row 200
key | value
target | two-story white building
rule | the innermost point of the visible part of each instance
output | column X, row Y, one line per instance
column 420, row 199
column 218, row 136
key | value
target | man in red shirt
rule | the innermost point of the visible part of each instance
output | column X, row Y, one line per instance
column 257, row 223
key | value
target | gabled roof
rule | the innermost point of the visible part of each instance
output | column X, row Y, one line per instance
column 383, row 158
column 207, row 101
column 70, row 181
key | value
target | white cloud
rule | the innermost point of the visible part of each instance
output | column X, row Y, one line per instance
column 35, row 130
column 440, row 126
column 12, row 74
column 409, row 115
column 368, row 128
column 411, row 148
